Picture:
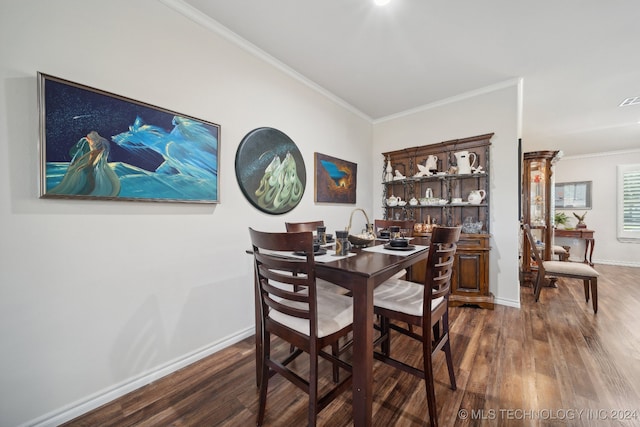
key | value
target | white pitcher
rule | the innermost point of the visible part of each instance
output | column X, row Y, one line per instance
column 432, row 163
column 476, row 197
column 463, row 159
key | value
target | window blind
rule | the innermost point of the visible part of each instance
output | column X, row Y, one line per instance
column 629, row 202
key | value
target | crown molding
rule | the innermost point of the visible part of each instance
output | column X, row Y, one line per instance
column 457, row 98
column 603, row 153
column 211, row 24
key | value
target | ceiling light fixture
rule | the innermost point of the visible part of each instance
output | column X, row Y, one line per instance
column 630, row 101
column 381, row 2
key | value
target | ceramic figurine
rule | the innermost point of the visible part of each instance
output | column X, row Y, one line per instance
column 399, row 175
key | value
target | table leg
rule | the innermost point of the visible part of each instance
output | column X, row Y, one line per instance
column 593, row 244
column 363, row 355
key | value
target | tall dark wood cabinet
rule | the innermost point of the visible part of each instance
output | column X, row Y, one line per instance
column 433, row 190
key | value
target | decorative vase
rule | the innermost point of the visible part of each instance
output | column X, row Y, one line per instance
column 389, row 175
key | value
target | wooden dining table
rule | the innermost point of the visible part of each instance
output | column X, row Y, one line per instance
column 360, row 274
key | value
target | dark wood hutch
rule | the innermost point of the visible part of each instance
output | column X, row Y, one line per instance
column 470, row 283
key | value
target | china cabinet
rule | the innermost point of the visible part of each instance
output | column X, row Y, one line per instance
column 538, row 204
column 446, row 184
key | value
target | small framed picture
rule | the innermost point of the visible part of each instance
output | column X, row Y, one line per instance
column 336, row 180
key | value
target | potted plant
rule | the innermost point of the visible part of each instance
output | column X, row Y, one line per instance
column 560, row 219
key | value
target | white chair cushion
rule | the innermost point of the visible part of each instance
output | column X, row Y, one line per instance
column 559, row 250
column 573, row 268
column 334, row 313
column 402, row 296
column 326, row 286
column 400, row 274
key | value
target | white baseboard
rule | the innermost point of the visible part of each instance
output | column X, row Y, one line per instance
column 614, row 262
column 100, row 398
column 507, row 302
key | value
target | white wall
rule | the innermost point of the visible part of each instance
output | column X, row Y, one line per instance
column 495, row 111
column 99, row 297
column 601, row 170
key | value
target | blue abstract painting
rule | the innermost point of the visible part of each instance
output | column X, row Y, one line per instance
column 97, row 145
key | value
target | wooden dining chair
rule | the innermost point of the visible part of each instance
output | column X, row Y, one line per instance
column 382, row 224
column 309, row 320
column 574, row 270
column 303, row 226
column 425, row 305
column 312, row 226
column 562, row 252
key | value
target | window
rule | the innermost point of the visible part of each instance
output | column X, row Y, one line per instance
column 572, row 195
column 629, row 203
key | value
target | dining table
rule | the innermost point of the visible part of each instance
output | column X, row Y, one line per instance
column 360, row 273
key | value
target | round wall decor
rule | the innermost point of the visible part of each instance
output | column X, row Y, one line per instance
column 270, row 170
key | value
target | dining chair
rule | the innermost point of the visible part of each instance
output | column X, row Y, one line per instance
column 303, row 226
column 562, row 252
column 425, row 305
column 312, row 226
column 382, row 224
column 307, row 319
column 574, row 270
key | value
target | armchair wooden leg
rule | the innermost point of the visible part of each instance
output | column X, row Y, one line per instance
column 538, row 286
column 586, row 289
column 594, row 293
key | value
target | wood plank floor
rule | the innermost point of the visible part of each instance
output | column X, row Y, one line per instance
column 549, row 363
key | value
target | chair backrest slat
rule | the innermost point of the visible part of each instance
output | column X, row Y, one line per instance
column 287, row 309
column 440, row 264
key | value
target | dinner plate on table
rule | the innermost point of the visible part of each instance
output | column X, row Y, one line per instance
column 320, row 251
column 400, row 248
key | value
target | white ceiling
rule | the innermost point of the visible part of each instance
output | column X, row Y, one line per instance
column 579, row 59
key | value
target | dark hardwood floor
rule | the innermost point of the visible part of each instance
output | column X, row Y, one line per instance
column 549, row 363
